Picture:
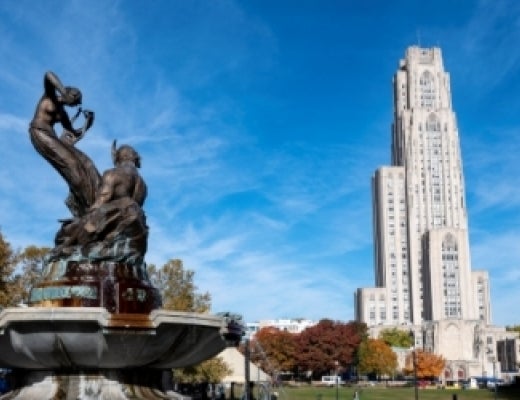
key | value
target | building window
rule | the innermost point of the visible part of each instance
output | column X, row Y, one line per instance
column 451, row 278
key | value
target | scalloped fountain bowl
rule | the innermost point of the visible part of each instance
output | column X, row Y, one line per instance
column 90, row 353
column 88, row 338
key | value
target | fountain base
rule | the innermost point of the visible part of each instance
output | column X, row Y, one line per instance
column 124, row 384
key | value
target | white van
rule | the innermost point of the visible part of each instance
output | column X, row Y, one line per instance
column 332, row 380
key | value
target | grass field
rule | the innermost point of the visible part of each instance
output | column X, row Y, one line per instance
column 382, row 393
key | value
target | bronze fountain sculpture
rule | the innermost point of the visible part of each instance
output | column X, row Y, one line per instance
column 94, row 328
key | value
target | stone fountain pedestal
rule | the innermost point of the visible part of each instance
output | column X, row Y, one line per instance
column 88, row 353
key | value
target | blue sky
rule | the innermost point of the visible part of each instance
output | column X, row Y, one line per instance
column 260, row 124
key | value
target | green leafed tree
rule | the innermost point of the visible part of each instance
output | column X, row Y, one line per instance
column 29, row 265
column 209, row 371
column 178, row 289
column 179, row 293
column 376, row 357
column 19, row 271
column 396, row 337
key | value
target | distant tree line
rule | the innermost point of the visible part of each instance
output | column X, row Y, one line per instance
column 337, row 348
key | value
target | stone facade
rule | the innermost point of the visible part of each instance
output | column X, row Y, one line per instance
column 423, row 277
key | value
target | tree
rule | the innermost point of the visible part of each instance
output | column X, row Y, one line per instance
column 179, row 293
column 209, row 371
column 7, row 283
column 396, row 337
column 329, row 346
column 429, row 365
column 177, row 288
column 29, row 266
column 19, row 271
column 376, row 357
column 274, row 350
column 513, row 328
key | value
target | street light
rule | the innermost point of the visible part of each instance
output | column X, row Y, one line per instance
column 336, row 363
column 247, row 360
column 414, row 360
column 494, row 360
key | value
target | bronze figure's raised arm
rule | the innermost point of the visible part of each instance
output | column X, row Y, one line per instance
column 51, row 107
column 73, row 165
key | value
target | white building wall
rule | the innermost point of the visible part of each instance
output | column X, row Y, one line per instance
column 425, row 147
column 370, row 305
column 440, row 283
column 481, row 293
column 295, row 325
column 391, row 242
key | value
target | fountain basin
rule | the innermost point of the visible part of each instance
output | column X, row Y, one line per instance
column 83, row 338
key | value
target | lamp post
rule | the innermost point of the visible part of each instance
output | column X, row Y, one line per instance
column 494, row 360
column 336, row 363
column 414, row 360
column 247, row 359
column 416, row 387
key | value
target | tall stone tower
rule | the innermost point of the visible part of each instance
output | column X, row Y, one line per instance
column 423, row 276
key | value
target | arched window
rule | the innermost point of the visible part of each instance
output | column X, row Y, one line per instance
column 432, row 123
column 449, row 243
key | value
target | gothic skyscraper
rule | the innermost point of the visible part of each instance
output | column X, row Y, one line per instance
column 423, row 276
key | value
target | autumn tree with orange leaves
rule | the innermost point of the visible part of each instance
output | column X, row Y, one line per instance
column 429, row 365
column 376, row 357
column 7, row 265
column 274, row 350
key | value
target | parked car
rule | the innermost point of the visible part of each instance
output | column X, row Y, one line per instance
column 332, row 380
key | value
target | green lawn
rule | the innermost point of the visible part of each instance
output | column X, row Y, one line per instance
column 382, row 393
